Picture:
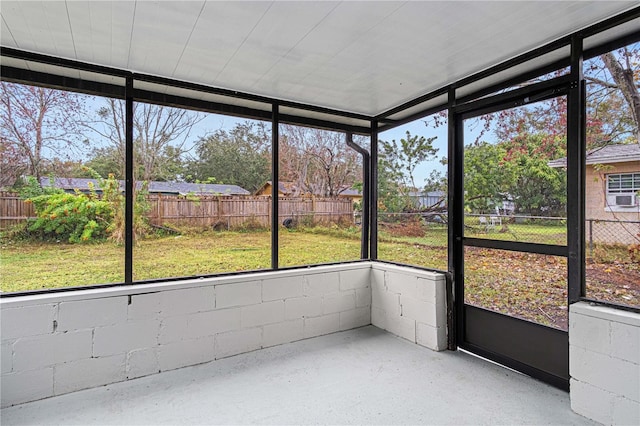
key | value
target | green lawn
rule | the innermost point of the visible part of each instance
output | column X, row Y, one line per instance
column 521, row 284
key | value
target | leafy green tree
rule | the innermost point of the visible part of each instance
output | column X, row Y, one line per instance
column 397, row 162
column 236, row 157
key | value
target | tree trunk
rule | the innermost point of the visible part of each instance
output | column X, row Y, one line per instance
column 624, row 80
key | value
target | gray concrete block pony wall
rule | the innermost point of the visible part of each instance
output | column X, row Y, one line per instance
column 410, row 303
column 58, row 343
column 604, row 364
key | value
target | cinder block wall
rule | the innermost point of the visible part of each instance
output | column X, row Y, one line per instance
column 604, row 364
column 58, row 343
column 410, row 303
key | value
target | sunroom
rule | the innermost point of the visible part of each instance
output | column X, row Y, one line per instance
column 422, row 243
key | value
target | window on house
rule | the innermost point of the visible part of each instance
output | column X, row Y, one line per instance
column 623, row 183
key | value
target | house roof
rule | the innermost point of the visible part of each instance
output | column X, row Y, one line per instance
column 363, row 58
column 606, row 155
column 181, row 188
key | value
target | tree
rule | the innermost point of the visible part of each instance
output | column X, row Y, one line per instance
column 620, row 80
column 317, row 161
column 36, row 122
column 397, row 162
column 161, row 136
column 236, row 157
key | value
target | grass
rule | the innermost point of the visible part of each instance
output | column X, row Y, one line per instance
column 526, row 285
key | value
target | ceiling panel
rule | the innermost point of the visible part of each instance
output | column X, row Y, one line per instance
column 364, row 57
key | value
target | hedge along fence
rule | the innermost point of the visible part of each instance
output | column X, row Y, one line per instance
column 221, row 212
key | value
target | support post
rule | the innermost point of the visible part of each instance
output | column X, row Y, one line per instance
column 373, row 193
column 455, row 223
column 129, row 185
column 275, row 171
column 576, row 151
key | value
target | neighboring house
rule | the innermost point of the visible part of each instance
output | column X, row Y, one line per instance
column 428, row 199
column 612, row 186
column 285, row 189
column 290, row 189
column 163, row 188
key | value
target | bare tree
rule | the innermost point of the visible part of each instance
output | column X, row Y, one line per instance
column 318, row 161
column 160, row 136
column 36, row 123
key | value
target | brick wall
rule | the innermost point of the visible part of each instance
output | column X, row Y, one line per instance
column 410, row 303
column 58, row 343
column 604, row 363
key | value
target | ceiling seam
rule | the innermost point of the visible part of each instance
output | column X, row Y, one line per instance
column 73, row 40
column 173, row 73
column 294, row 46
column 6, row 25
column 133, row 20
column 243, row 42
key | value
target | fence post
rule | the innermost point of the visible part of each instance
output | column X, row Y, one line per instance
column 591, row 238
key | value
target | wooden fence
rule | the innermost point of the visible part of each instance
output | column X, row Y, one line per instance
column 221, row 212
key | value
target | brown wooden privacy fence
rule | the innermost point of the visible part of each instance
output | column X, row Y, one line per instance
column 13, row 210
column 222, row 212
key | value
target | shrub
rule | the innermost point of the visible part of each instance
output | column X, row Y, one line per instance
column 74, row 217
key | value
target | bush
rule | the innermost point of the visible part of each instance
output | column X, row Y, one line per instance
column 74, row 217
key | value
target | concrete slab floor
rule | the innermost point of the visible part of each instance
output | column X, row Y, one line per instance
column 362, row 376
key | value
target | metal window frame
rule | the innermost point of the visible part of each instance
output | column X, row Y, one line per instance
column 378, row 123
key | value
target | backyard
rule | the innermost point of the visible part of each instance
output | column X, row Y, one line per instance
column 526, row 285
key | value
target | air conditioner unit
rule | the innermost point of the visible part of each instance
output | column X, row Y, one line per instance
column 626, row 200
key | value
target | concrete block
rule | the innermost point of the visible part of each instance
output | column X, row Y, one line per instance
column 625, row 411
column 302, row 307
column 355, row 279
column 318, row 326
column 363, row 297
column 283, row 332
column 238, row 294
column 212, row 322
column 605, row 372
column 142, row 362
column 320, row 284
column 590, row 333
column 433, row 291
column 339, row 302
column 122, row 338
column 186, row 352
column 625, row 342
column 91, row 313
column 418, row 310
column 25, row 386
column 238, row 342
column 26, row 321
column 404, row 284
column 172, row 329
column 34, row 353
column 377, row 279
column 378, row 318
column 188, row 301
column 402, row 326
column 89, row 373
column 591, row 402
column 144, row 306
column 355, row 318
column 282, row 288
column 264, row 313
column 6, row 357
column 434, row 338
column 388, row 302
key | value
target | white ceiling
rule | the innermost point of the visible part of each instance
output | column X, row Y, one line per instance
column 363, row 57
